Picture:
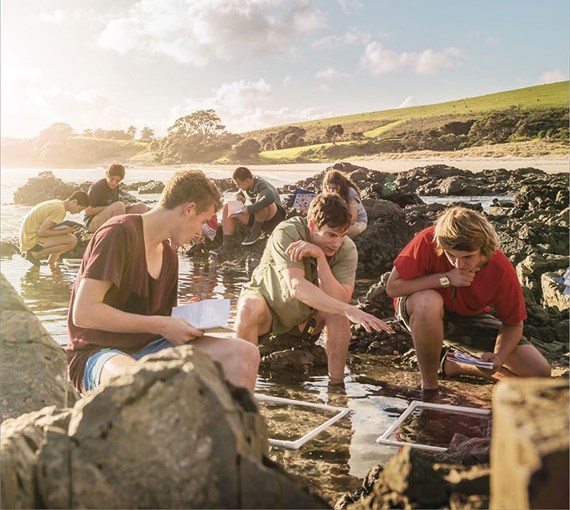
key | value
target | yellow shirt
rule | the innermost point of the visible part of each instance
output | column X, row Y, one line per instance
column 53, row 210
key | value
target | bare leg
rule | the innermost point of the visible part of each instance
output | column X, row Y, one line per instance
column 115, row 209
column 266, row 213
column 425, row 309
column 253, row 317
column 239, row 358
column 524, row 361
column 337, row 337
column 115, row 366
column 138, row 208
column 56, row 245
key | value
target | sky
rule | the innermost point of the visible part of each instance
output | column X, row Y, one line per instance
column 110, row 64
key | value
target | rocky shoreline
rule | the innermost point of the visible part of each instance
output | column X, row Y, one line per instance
column 533, row 229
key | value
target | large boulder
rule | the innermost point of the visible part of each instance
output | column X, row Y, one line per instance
column 529, row 454
column 386, row 235
column 45, row 186
column 170, row 433
column 552, row 285
column 32, row 364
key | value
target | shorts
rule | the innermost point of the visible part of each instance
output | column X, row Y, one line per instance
column 477, row 333
column 269, row 225
column 95, row 362
column 309, row 333
column 37, row 247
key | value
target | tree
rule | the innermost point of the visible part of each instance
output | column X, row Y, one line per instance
column 147, row 134
column 333, row 132
column 131, row 131
column 247, row 148
column 197, row 137
column 201, row 126
column 57, row 133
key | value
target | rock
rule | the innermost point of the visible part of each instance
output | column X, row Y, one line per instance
column 529, row 456
column 169, row 433
column 150, row 187
column 386, row 235
column 45, row 186
column 407, row 481
column 32, row 364
column 552, row 286
column 22, row 469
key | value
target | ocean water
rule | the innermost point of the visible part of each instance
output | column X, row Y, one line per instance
column 342, row 455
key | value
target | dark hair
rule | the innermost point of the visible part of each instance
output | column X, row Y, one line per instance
column 241, row 173
column 115, row 169
column 342, row 181
column 81, row 197
column 329, row 209
column 190, row 186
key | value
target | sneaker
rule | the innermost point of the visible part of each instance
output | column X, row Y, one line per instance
column 254, row 235
column 30, row 258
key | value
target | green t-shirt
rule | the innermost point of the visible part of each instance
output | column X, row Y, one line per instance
column 54, row 210
column 267, row 280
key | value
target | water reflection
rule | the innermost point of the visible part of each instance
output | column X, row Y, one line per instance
column 46, row 291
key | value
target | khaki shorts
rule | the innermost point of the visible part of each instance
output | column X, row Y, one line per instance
column 478, row 333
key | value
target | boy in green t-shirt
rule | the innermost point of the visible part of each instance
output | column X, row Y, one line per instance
column 305, row 281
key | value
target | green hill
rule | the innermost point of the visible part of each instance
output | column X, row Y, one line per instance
column 539, row 112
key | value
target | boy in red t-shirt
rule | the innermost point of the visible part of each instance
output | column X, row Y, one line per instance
column 445, row 282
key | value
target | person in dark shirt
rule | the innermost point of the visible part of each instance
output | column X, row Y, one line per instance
column 121, row 302
column 263, row 214
column 104, row 200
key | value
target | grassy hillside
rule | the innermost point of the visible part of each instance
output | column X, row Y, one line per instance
column 539, row 112
column 553, row 95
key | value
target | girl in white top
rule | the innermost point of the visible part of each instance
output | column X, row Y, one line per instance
column 337, row 182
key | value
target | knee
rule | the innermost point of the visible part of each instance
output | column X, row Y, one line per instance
column 250, row 308
column 72, row 241
column 247, row 356
column 118, row 208
column 138, row 208
column 336, row 322
column 542, row 369
column 425, row 303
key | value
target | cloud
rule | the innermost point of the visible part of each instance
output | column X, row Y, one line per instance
column 551, row 77
column 348, row 5
column 56, row 17
column 330, row 74
column 247, row 105
column 331, row 42
column 380, row 60
column 86, row 108
column 198, row 31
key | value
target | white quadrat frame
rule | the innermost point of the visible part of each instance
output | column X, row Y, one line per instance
column 296, row 444
column 416, row 404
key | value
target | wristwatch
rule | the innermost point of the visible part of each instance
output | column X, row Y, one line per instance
column 444, row 280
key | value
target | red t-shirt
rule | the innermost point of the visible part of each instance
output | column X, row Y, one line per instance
column 117, row 253
column 494, row 285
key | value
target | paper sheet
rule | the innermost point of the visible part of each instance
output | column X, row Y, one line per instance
column 469, row 360
column 206, row 314
column 235, row 207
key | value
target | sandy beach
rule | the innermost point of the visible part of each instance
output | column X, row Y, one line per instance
column 394, row 163
column 476, row 164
